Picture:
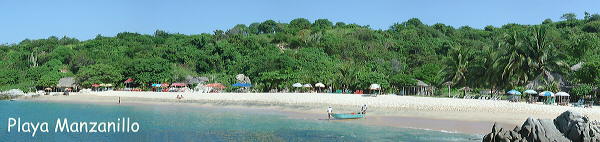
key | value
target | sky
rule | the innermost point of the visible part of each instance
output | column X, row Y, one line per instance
column 84, row 19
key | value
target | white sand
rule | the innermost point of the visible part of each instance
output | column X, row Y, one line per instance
column 384, row 105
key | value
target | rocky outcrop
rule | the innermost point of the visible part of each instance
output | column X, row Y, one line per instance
column 569, row 126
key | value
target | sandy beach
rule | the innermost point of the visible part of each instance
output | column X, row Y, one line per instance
column 446, row 114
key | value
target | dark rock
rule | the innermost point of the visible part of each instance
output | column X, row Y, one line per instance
column 569, row 126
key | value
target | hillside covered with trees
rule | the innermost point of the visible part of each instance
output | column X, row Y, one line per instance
column 276, row 55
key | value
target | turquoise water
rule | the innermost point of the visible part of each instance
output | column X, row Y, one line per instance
column 184, row 123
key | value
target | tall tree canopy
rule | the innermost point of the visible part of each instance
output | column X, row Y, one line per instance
column 341, row 55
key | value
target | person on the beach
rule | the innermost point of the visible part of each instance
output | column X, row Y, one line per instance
column 66, row 92
column 329, row 112
column 119, row 100
column 363, row 109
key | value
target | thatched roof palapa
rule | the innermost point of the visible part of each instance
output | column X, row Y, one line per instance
column 67, row 82
column 195, row 80
column 421, row 83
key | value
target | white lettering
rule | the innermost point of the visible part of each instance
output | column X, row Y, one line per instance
column 62, row 126
column 93, row 130
column 135, row 127
column 10, row 125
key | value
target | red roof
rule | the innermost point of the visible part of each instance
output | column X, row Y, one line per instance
column 215, row 85
column 129, row 80
column 178, row 85
column 95, row 85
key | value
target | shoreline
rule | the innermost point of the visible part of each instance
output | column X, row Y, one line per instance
column 439, row 114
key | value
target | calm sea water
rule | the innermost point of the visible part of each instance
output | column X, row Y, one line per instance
column 182, row 123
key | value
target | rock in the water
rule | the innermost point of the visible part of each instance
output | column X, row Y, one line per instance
column 569, row 126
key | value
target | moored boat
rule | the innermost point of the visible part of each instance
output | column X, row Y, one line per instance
column 347, row 115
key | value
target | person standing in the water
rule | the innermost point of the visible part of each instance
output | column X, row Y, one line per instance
column 329, row 112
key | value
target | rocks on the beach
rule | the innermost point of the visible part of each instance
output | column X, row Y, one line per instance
column 569, row 126
column 13, row 92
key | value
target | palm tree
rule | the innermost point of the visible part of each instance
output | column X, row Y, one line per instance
column 528, row 54
column 458, row 64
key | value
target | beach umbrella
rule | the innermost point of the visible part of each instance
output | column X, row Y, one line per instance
column 530, row 92
column 562, row 94
column 129, row 80
column 215, row 85
column 546, row 94
column 242, row 85
column 307, row 85
column 320, row 85
column 297, row 85
column 514, row 92
column 374, row 87
column 178, row 84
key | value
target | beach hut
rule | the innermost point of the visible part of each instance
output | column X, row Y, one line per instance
column 67, row 82
column 192, row 81
column 424, row 88
column 563, row 98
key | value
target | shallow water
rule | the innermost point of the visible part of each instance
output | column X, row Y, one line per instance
column 182, row 123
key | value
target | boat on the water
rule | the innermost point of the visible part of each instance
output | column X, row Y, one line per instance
column 347, row 115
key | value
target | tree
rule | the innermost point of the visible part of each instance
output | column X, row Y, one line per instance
column 569, row 16
column 150, row 70
column 49, row 79
column 9, row 76
column 589, row 73
column 430, row 73
column 547, row 21
column 592, row 27
column 267, row 27
column 300, row 23
column 322, row 24
column 402, row 79
column 99, row 73
column 582, row 90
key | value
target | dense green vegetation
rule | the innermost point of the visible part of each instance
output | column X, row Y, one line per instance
column 276, row 55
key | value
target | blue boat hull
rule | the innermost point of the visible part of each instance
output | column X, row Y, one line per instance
column 347, row 116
